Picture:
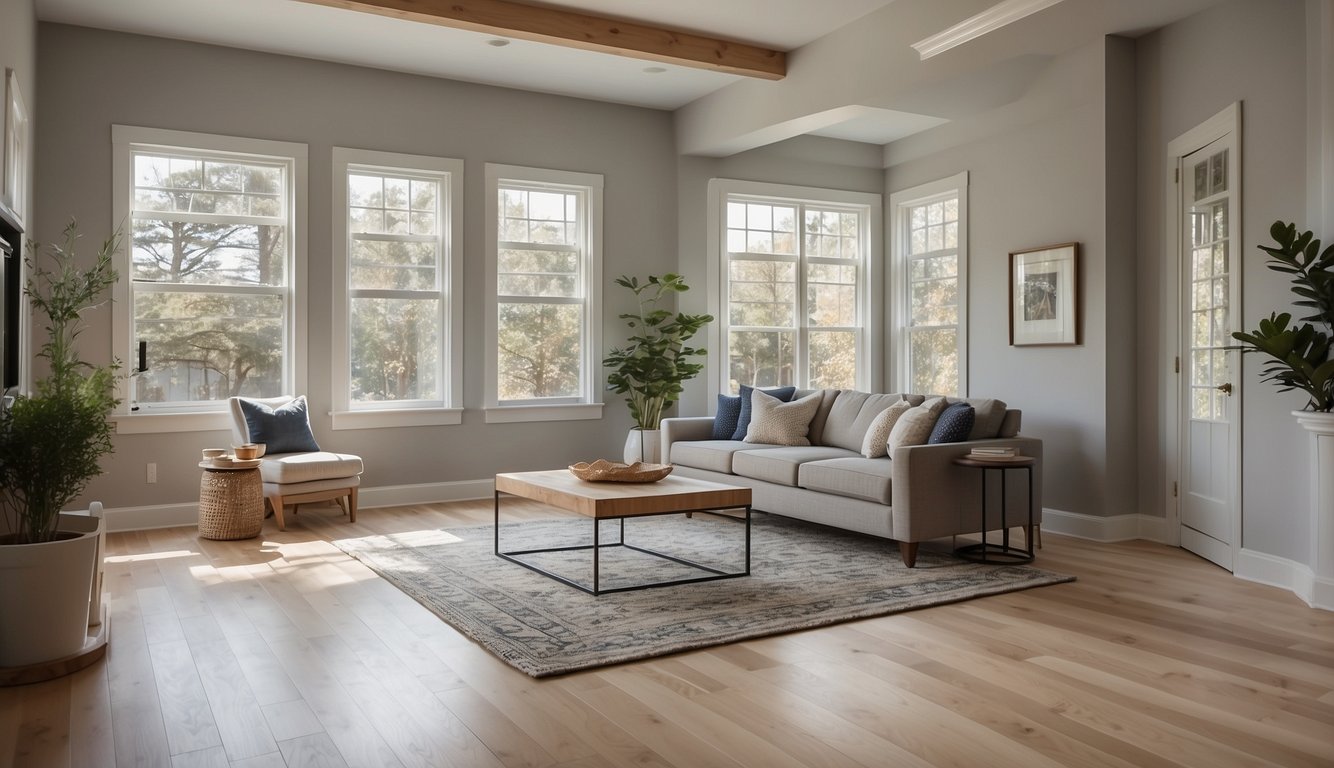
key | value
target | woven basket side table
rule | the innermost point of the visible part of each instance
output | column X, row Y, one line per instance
column 231, row 504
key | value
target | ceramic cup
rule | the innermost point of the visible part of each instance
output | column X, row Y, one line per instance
column 213, row 453
column 246, row 452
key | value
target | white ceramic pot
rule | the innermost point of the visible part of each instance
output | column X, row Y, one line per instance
column 1320, row 427
column 44, row 594
column 643, row 445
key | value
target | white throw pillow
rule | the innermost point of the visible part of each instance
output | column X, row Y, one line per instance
column 915, row 425
column 774, row 422
column 877, row 435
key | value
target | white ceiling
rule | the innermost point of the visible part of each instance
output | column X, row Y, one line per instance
column 302, row 29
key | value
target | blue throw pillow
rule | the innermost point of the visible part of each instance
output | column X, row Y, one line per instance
column 953, row 425
column 285, row 430
column 724, row 421
column 743, row 421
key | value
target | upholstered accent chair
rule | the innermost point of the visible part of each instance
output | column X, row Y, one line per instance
column 301, row 476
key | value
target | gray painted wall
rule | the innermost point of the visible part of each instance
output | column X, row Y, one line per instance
column 1035, row 181
column 1186, row 72
column 18, row 51
column 186, row 86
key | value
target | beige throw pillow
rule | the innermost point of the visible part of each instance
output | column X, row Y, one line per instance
column 877, row 435
column 774, row 422
column 915, row 425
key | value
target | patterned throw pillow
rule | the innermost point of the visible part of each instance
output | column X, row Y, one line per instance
column 954, row 425
column 915, row 425
column 285, row 430
column 877, row 435
column 778, row 423
column 783, row 394
column 724, row 421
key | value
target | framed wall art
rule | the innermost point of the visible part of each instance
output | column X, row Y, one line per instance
column 16, row 143
column 1044, row 295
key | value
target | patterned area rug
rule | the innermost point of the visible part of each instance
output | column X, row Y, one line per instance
column 802, row 576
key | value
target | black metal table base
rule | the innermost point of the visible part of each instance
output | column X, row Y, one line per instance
column 1003, row 553
column 713, row 574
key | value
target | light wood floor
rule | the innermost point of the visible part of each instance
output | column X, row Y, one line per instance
column 281, row 651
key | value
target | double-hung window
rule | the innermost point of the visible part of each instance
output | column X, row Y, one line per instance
column 931, row 279
column 796, row 291
column 543, row 313
column 207, row 306
column 397, row 351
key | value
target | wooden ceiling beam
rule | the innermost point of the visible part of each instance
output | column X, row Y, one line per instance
column 545, row 24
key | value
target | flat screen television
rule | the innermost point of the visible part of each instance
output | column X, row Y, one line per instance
column 11, row 253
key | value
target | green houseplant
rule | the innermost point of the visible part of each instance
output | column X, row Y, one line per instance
column 1299, row 354
column 51, row 443
column 652, row 367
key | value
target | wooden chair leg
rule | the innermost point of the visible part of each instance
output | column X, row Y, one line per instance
column 909, row 551
column 296, row 509
column 352, row 506
column 342, row 503
column 276, row 502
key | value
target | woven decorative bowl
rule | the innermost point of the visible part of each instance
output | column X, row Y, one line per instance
column 603, row 471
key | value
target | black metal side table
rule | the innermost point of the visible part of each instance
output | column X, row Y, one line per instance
column 1003, row 553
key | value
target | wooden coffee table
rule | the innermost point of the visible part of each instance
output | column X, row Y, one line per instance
column 618, row 501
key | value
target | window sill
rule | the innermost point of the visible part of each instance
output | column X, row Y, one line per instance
column 148, row 423
column 512, row 414
column 399, row 417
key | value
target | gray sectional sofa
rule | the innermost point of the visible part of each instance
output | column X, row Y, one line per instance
column 914, row 495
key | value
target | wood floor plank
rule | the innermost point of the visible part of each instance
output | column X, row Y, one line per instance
column 185, row 705
column 1152, row 659
column 90, row 718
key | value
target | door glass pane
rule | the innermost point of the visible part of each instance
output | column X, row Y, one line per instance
column 1208, row 245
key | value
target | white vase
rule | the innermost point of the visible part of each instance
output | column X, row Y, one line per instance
column 642, row 445
column 45, row 591
column 1320, row 426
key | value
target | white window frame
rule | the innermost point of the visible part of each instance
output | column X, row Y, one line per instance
column 720, row 191
column 900, row 203
column 214, row 415
column 448, row 408
column 587, row 405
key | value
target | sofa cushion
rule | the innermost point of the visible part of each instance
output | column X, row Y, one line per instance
column 953, row 425
column 743, row 421
column 306, row 467
column 777, row 423
column 282, row 430
column 874, row 444
column 726, row 417
column 858, row 478
column 1010, row 424
column 851, row 416
column 816, row 431
column 779, row 465
column 989, row 413
column 915, row 425
column 713, row 455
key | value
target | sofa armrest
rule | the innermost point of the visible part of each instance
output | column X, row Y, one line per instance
column 931, row 496
column 679, row 429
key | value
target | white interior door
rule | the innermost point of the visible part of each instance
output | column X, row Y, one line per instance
column 1210, row 407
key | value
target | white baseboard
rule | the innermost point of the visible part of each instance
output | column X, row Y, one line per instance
column 187, row 513
column 1098, row 528
column 424, row 493
column 1286, row 574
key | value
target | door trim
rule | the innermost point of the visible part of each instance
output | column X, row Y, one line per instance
column 1228, row 120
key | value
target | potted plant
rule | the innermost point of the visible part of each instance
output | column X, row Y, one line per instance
column 1299, row 354
column 655, row 363
column 51, row 443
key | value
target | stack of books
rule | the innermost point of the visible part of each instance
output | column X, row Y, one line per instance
column 993, row 453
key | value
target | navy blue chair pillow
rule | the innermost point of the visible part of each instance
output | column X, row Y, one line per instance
column 953, row 425
column 284, row 430
column 743, row 421
column 724, row 421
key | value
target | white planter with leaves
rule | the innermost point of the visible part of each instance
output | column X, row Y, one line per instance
column 643, row 445
column 45, row 591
